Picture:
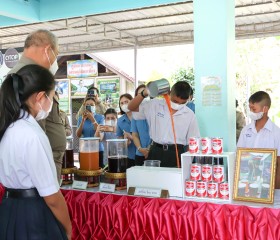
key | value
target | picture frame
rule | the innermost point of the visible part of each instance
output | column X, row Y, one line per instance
column 254, row 179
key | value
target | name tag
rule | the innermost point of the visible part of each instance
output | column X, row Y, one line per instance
column 79, row 185
column 107, row 187
column 148, row 192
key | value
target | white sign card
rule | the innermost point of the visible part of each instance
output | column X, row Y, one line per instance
column 107, row 187
column 79, row 185
column 148, row 192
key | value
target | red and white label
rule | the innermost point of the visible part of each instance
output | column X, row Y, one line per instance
column 212, row 189
column 190, row 188
column 206, row 146
column 206, row 172
column 195, row 171
column 194, row 145
column 201, row 189
column 217, row 145
column 218, row 173
column 223, row 190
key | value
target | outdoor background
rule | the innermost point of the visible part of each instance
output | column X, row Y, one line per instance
column 257, row 64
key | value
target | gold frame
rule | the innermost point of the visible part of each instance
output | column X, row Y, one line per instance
column 255, row 172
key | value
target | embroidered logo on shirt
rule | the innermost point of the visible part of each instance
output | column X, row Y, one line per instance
column 248, row 135
column 160, row 115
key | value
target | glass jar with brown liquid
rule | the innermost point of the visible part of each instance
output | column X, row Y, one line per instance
column 117, row 155
column 68, row 159
column 89, row 153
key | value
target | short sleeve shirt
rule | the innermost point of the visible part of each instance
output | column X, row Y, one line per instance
column 124, row 124
column 158, row 118
column 141, row 127
column 267, row 137
column 26, row 159
column 88, row 128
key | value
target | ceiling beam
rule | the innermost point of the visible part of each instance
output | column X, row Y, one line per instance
column 276, row 3
column 21, row 10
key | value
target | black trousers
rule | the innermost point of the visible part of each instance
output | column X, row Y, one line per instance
column 166, row 156
column 139, row 160
column 28, row 219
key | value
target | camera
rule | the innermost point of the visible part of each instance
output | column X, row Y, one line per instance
column 91, row 93
column 88, row 108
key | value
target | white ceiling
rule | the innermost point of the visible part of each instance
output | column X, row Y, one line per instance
column 145, row 27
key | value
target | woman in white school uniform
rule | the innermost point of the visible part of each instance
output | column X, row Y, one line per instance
column 32, row 206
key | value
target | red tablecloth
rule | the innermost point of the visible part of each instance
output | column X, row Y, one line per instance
column 108, row 216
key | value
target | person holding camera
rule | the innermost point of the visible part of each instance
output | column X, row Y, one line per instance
column 99, row 106
column 107, row 131
column 88, row 123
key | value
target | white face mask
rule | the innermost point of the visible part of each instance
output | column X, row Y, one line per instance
column 125, row 108
column 53, row 67
column 255, row 116
column 92, row 108
column 110, row 122
column 176, row 106
column 42, row 114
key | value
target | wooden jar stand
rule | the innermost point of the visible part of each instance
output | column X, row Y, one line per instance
column 90, row 176
column 67, row 175
column 117, row 178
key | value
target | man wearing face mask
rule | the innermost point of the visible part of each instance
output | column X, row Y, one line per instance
column 41, row 48
column 157, row 114
column 261, row 132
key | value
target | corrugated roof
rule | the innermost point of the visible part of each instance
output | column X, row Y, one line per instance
column 144, row 27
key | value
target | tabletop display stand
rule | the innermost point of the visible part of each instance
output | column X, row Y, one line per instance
column 92, row 177
column 116, row 178
column 229, row 165
column 67, row 175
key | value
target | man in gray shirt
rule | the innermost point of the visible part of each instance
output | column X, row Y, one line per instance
column 41, row 48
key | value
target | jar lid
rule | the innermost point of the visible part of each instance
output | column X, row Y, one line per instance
column 116, row 140
column 89, row 138
column 69, row 138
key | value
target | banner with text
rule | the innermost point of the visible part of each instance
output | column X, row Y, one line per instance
column 82, row 69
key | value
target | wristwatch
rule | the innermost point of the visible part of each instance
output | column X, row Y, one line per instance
column 142, row 93
column 138, row 149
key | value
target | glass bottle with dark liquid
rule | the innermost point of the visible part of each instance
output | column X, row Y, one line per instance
column 68, row 160
column 117, row 155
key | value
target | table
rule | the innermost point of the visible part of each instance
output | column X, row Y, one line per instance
column 100, row 216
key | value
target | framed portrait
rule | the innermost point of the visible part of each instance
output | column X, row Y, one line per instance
column 79, row 87
column 63, row 89
column 255, row 175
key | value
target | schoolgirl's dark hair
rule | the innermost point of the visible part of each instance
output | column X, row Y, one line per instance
column 126, row 95
column 17, row 88
column 111, row 111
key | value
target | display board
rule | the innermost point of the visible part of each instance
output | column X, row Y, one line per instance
column 79, row 87
column 62, row 87
column 82, row 69
column 109, row 90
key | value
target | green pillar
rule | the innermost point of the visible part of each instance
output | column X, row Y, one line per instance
column 214, row 48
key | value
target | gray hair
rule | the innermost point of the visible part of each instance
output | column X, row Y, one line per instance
column 41, row 37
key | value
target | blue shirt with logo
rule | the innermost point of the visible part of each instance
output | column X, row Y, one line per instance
column 125, row 124
column 141, row 127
